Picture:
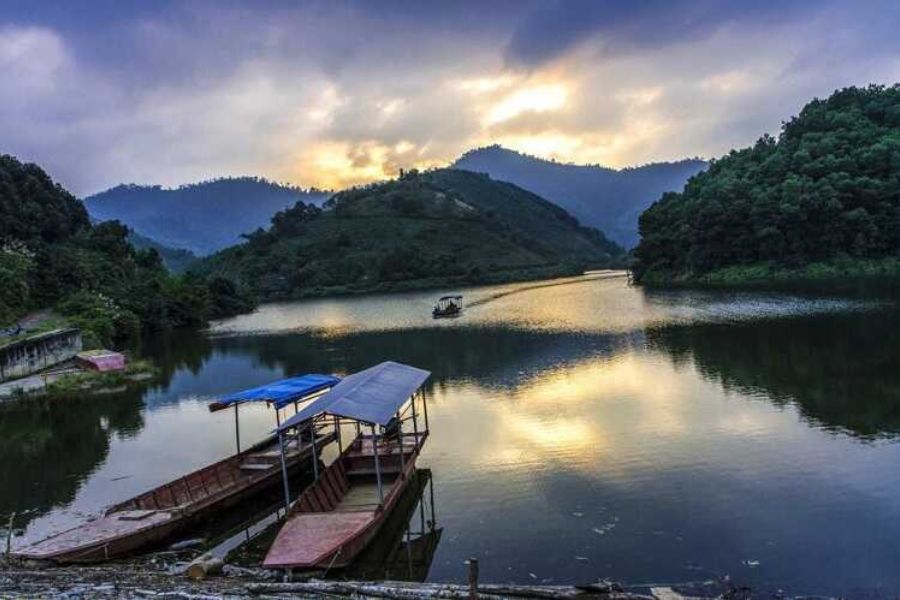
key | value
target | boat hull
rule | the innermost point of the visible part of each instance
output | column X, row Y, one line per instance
column 141, row 522
column 319, row 533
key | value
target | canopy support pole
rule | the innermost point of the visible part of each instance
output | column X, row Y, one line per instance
column 284, row 474
column 277, row 417
column 400, row 444
column 431, row 494
column 337, row 433
column 377, row 467
column 237, row 428
column 425, row 410
column 415, row 422
column 315, row 455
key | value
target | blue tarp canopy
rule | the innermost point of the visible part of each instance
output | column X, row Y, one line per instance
column 371, row 396
column 280, row 393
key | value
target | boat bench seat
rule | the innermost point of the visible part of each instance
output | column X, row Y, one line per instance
column 256, row 466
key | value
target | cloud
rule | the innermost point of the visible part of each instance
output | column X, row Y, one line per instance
column 334, row 94
column 622, row 25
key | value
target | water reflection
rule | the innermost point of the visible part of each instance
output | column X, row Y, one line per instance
column 407, row 542
column 842, row 370
column 579, row 430
column 50, row 447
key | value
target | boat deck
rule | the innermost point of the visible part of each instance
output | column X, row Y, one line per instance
column 362, row 496
column 93, row 533
column 151, row 516
column 310, row 538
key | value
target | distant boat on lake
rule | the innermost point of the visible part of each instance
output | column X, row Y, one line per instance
column 448, row 306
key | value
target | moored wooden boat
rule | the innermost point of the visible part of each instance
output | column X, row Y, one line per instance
column 156, row 515
column 337, row 516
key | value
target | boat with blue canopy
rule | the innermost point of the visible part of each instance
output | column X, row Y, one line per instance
column 334, row 519
column 158, row 514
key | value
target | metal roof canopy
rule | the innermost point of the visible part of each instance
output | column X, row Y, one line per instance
column 371, row 396
column 280, row 393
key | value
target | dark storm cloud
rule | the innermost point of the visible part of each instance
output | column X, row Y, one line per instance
column 554, row 28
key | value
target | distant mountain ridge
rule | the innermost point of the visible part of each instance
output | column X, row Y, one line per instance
column 609, row 199
column 201, row 217
column 440, row 228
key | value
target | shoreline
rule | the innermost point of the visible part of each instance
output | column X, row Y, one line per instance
column 828, row 275
column 156, row 577
column 66, row 379
column 437, row 283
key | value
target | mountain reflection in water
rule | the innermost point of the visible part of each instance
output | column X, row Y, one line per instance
column 579, row 431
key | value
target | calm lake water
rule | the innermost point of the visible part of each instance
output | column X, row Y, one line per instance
column 580, row 429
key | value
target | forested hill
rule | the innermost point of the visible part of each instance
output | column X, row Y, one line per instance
column 52, row 256
column 826, row 192
column 176, row 260
column 610, row 200
column 200, row 217
column 422, row 230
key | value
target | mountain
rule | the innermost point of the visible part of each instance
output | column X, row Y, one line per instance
column 607, row 199
column 422, row 230
column 822, row 198
column 51, row 255
column 200, row 217
column 176, row 260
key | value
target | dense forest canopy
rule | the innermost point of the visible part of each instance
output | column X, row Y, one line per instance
column 200, row 217
column 52, row 256
column 827, row 189
column 422, row 230
column 609, row 199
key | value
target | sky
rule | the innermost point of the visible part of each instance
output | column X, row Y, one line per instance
column 332, row 94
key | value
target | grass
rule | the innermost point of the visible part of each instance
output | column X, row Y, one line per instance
column 53, row 321
column 96, row 381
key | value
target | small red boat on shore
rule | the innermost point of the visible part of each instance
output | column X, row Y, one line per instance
column 156, row 515
column 336, row 517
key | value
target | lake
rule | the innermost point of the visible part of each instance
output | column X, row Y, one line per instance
column 581, row 428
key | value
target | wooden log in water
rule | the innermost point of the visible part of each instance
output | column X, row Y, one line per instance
column 371, row 589
column 203, row 566
column 427, row 591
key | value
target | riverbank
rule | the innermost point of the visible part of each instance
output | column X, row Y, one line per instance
column 839, row 272
column 157, row 578
column 498, row 277
column 67, row 379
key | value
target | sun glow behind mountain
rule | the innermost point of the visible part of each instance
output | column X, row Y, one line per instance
column 335, row 94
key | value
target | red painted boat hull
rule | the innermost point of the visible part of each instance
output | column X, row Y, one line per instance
column 321, row 532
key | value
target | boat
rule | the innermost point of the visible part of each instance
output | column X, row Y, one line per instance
column 447, row 306
column 405, row 546
column 158, row 514
column 335, row 518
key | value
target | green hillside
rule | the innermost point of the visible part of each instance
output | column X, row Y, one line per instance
column 609, row 199
column 51, row 256
column 424, row 229
column 176, row 260
column 822, row 200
